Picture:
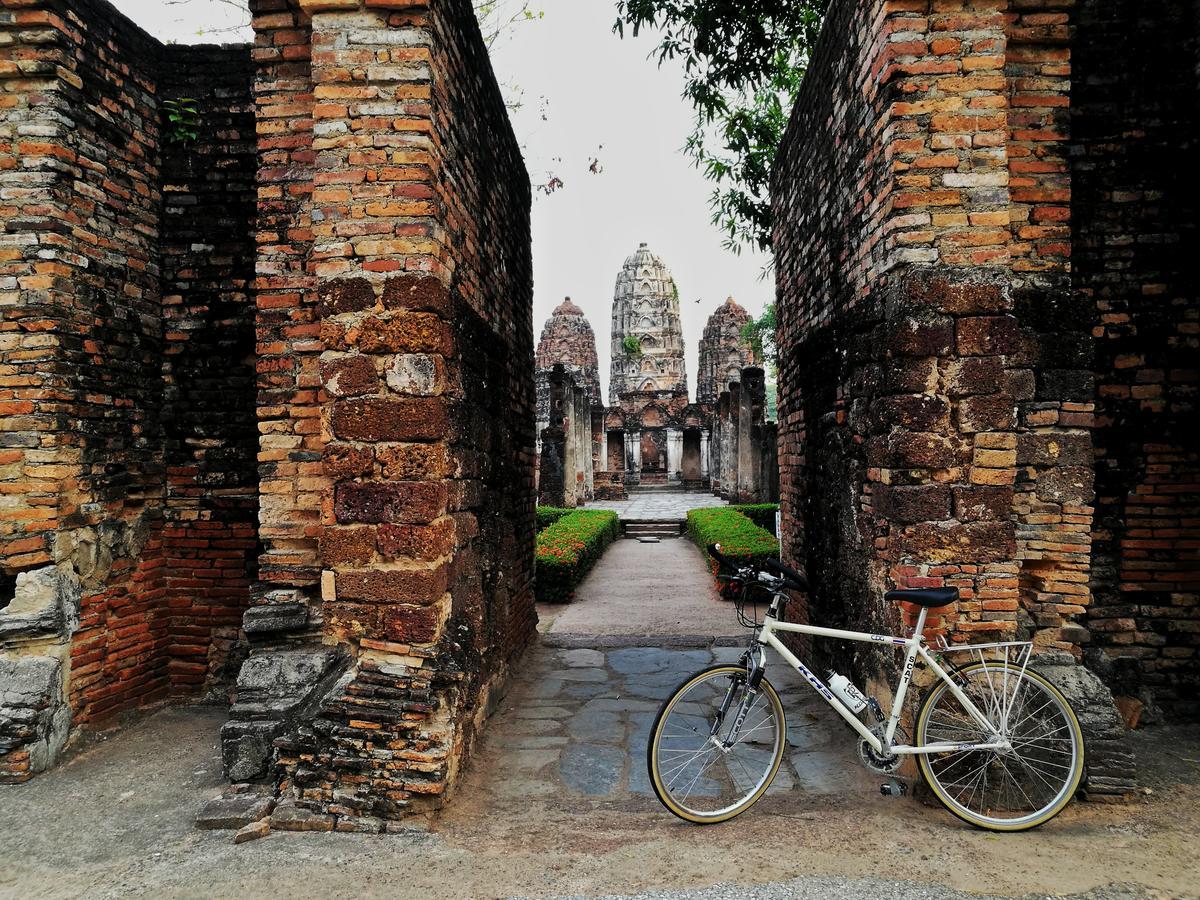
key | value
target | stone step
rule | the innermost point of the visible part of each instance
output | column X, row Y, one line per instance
column 665, row 529
column 653, row 488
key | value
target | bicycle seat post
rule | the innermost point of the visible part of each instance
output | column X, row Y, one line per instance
column 919, row 630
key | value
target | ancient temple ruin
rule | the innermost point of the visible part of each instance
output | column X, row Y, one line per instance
column 988, row 337
column 723, row 351
column 267, row 393
column 568, row 407
column 650, row 434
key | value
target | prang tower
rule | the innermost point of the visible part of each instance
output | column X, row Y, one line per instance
column 723, row 352
column 646, row 308
column 567, row 338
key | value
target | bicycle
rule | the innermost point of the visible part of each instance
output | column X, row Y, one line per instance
column 999, row 746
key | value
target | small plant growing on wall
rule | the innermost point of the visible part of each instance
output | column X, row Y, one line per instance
column 632, row 345
column 183, row 120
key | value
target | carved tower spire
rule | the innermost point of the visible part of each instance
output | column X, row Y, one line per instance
column 647, row 336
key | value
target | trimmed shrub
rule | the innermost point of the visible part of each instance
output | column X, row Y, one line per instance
column 740, row 539
column 548, row 515
column 567, row 549
column 761, row 514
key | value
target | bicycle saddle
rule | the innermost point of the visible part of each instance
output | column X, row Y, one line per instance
column 927, row 597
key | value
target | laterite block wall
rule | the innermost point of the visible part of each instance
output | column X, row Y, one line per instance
column 126, row 535
column 396, row 381
column 983, row 320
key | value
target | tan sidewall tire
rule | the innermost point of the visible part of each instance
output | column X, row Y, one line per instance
column 931, row 782
column 652, row 750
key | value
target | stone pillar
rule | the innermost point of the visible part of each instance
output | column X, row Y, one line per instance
column 674, row 454
column 564, row 412
column 730, row 443
column 584, row 417
column 717, row 444
column 750, row 410
column 705, row 441
column 599, row 443
column 769, row 466
column 550, row 469
column 633, row 456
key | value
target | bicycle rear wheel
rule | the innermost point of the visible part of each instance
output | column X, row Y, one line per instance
column 694, row 774
column 1016, row 788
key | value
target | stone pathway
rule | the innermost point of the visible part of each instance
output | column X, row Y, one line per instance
column 658, row 593
column 670, row 505
column 577, row 724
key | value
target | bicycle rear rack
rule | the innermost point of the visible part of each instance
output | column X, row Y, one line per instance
column 1002, row 656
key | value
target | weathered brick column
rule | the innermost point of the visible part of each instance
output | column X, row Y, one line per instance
column 417, row 278
column 291, row 478
column 936, row 394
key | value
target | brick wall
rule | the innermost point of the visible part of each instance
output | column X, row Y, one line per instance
column 937, row 374
column 89, row 359
column 891, row 191
column 206, row 253
column 1134, row 230
column 419, row 265
column 288, row 344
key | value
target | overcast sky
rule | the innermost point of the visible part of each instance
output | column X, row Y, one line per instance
column 602, row 99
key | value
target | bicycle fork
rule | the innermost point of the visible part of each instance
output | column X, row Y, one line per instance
column 749, row 695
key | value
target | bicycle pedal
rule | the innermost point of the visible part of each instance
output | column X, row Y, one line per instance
column 893, row 788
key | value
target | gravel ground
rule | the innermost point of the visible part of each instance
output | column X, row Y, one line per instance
column 859, row 889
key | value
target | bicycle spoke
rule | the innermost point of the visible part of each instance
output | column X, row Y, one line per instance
column 712, row 780
column 1015, row 783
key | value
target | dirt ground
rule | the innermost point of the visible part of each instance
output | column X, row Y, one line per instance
column 117, row 820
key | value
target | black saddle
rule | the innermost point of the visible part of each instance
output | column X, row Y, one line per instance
column 927, row 597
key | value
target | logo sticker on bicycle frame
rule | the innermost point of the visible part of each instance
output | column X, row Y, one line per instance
column 815, row 682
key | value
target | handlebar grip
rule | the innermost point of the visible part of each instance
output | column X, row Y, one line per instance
column 794, row 579
column 714, row 550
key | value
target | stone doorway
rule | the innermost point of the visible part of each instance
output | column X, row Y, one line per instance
column 616, row 451
column 692, row 471
column 654, row 450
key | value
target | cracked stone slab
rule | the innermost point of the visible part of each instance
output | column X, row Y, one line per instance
column 234, row 812
column 582, row 657
column 290, row 817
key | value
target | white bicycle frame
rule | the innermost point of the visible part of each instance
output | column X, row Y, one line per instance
column 914, row 647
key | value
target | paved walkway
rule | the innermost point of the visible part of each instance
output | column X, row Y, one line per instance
column 660, row 593
column 671, row 505
column 578, row 725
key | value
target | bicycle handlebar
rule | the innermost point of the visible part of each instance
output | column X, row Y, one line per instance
column 792, row 580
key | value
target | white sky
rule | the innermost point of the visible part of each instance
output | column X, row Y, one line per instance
column 594, row 89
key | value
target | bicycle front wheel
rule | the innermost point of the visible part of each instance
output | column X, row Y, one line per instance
column 705, row 765
column 1027, row 783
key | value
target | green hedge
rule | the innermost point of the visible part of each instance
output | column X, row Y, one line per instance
column 567, row 549
column 740, row 539
column 761, row 514
column 548, row 515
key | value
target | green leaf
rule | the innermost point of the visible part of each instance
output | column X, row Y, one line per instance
column 744, row 61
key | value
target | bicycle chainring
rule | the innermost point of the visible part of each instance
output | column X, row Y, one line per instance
column 884, row 765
